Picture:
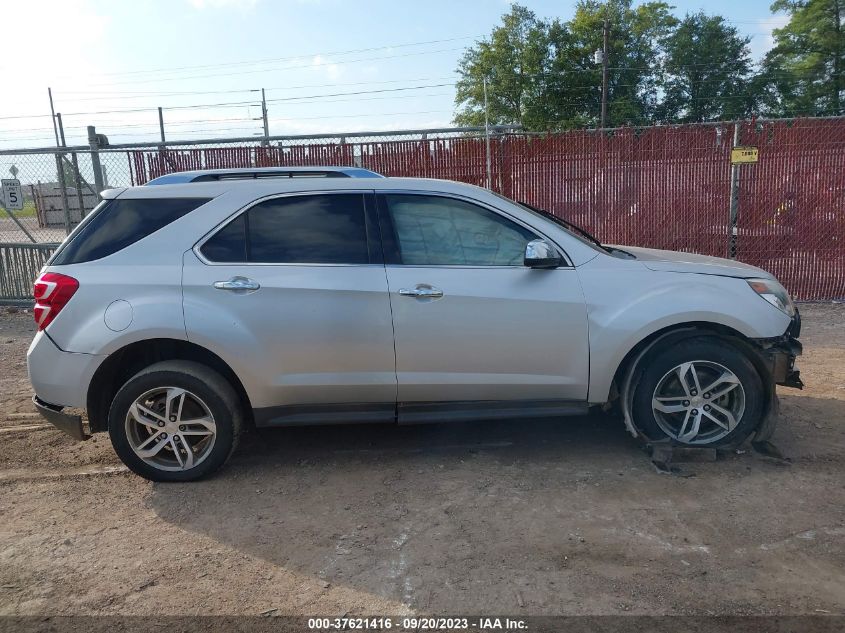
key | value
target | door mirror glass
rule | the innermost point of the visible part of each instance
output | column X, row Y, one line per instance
column 541, row 254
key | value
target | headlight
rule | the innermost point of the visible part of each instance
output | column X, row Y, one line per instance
column 774, row 293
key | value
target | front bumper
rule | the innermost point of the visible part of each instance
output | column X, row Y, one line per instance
column 70, row 424
column 780, row 354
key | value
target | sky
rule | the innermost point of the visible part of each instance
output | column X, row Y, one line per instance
column 112, row 63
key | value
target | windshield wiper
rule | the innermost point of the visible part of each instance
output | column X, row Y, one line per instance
column 566, row 223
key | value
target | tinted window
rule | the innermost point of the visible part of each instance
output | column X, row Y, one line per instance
column 229, row 243
column 120, row 223
column 436, row 231
column 319, row 229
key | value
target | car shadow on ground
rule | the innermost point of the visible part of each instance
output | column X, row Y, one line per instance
column 432, row 515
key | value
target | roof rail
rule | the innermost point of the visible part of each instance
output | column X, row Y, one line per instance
column 209, row 175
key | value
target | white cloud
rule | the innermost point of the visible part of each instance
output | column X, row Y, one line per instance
column 48, row 45
column 332, row 70
column 763, row 41
column 222, row 4
column 40, row 52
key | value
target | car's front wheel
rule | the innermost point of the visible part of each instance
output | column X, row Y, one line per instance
column 175, row 421
column 699, row 392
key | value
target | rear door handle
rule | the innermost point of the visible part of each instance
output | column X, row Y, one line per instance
column 422, row 291
column 242, row 285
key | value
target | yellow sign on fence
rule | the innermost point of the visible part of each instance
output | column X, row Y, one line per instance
column 743, row 154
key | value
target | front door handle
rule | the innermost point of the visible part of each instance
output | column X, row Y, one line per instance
column 422, row 291
column 242, row 285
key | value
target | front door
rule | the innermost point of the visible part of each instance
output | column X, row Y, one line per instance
column 292, row 294
column 471, row 322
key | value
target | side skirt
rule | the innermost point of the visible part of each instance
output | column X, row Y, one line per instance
column 415, row 412
column 320, row 414
column 465, row 411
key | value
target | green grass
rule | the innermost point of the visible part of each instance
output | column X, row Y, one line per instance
column 28, row 210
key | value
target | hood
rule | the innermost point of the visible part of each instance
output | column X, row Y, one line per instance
column 678, row 262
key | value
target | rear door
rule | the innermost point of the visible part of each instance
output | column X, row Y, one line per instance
column 471, row 322
column 292, row 293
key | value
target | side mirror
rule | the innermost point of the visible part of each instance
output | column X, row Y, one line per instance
column 541, row 254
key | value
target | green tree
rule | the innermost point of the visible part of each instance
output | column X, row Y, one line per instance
column 542, row 75
column 707, row 72
column 566, row 94
column 513, row 61
column 635, row 45
column 803, row 73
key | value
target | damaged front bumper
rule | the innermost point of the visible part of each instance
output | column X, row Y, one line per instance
column 780, row 353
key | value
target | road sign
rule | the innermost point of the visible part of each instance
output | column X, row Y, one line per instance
column 743, row 154
column 12, row 194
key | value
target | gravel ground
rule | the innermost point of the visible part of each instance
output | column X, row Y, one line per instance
column 552, row 517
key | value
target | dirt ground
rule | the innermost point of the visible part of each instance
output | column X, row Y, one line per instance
column 552, row 517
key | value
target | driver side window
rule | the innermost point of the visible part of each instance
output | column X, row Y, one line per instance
column 439, row 231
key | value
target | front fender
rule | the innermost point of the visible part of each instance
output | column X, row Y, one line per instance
column 632, row 303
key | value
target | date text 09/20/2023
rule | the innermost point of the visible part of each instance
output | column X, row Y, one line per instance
column 417, row 624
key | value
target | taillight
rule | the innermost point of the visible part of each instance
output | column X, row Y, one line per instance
column 52, row 291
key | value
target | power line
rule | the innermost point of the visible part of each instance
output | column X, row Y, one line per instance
column 288, row 58
column 137, row 94
column 360, row 99
column 262, row 70
column 355, row 116
column 240, row 103
column 135, row 125
column 283, row 119
column 151, row 109
column 360, row 92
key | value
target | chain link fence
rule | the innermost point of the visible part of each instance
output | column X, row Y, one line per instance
column 663, row 187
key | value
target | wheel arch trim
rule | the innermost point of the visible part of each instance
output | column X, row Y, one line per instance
column 123, row 363
column 627, row 374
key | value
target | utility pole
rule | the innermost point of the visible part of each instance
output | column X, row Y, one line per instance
column 60, row 166
column 53, row 113
column 487, row 134
column 61, row 129
column 734, row 208
column 604, row 72
column 264, row 118
column 161, row 123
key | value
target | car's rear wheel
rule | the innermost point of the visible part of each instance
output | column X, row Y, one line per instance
column 175, row 421
column 699, row 392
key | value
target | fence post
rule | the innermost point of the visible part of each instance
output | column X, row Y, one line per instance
column 732, row 230
column 60, row 171
column 487, row 136
column 78, row 184
column 95, row 160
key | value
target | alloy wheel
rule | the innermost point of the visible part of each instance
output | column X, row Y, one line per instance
column 698, row 402
column 170, row 428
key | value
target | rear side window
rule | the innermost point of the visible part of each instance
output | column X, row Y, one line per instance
column 313, row 229
column 228, row 245
column 120, row 223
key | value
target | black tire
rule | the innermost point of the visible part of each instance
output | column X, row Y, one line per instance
column 216, row 394
column 708, row 349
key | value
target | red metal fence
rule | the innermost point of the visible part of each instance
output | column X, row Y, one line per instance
column 661, row 187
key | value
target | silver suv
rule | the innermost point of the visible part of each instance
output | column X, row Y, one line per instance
column 177, row 314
